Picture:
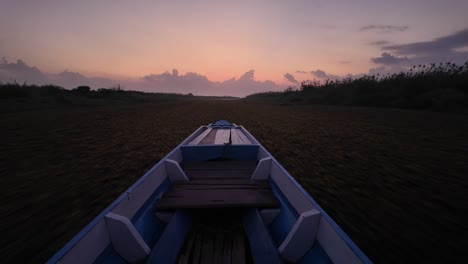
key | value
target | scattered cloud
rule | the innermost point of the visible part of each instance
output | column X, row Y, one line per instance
column 248, row 76
column 320, row 74
column 290, row 78
column 379, row 43
column 70, row 79
column 175, row 83
column 345, row 62
column 449, row 48
column 389, row 59
column 168, row 82
column 198, row 84
column 446, row 44
column 323, row 75
column 20, row 72
column 246, row 84
column 384, row 28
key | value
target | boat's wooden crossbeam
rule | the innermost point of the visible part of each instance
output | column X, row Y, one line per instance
column 221, row 165
column 233, row 169
column 219, row 184
column 218, row 194
column 214, row 174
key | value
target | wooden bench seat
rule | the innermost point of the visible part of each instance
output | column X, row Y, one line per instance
column 218, row 193
column 221, row 165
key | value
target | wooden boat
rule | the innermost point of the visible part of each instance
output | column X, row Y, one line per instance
column 218, row 197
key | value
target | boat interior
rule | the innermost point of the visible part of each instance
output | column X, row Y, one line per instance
column 219, row 197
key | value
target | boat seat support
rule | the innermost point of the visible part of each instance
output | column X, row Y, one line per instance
column 302, row 236
column 262, row 171
column 125, row 239
column 174, row 171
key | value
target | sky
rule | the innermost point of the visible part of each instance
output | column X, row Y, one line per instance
column 223, row 47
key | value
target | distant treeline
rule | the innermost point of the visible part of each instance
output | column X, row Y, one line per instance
column 14, row 96
column 439, row 87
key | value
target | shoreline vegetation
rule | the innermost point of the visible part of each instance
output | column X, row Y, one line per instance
column 16, row 97
column 439, row 87
column 435, row 87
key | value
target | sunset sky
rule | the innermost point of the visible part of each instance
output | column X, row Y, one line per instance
column 223, row 47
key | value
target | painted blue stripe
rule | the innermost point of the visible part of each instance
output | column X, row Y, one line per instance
column 286, row 219
column 145, row 220
column 57, row 256
column 283, row 224
column 316, row 255
column 263, row 249
column 110, row 256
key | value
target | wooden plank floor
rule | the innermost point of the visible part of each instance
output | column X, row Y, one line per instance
column 219, row 240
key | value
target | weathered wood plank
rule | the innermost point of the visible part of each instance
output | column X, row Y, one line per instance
column 255, row 195
column 200, row 137
column 221, row 165
column 235, row 138
column 207, row 248
column 227, row 248
column 197, row 248
column 218, row 247
column 222, row 136
column 238, row 248
column 244, row 138
column 218, row 198
column 184, row 257
column 223, row 181
column 210, row 138
column 219, row 174
column 218, row 187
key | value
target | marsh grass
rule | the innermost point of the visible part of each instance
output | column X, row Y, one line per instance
column 437, row 87
column 394, row 180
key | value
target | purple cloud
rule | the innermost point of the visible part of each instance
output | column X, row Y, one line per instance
column 446, row 44
column 384, row 28
column 444, row 49
column 20, row 72
column 379, row 43
column 323, row 75
column 389, row 59
column 290, row 78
